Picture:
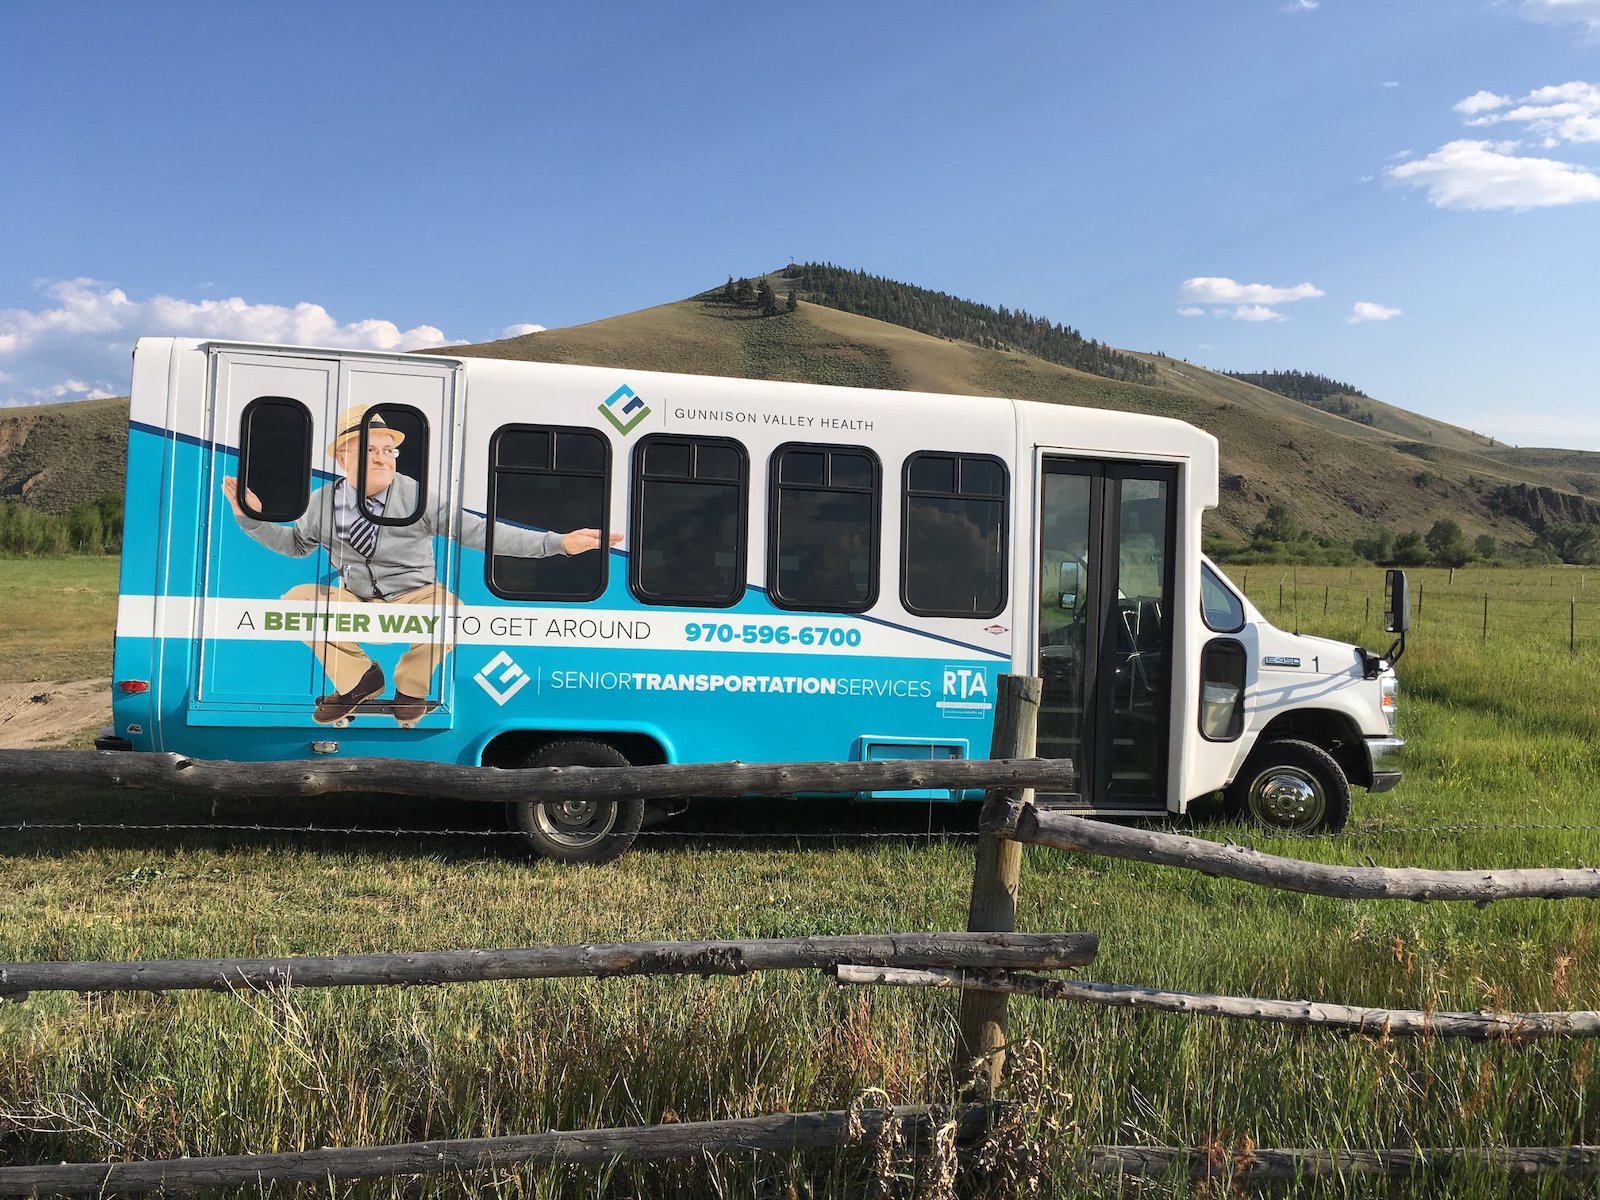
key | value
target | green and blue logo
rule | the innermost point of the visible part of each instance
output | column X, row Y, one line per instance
column 620, row 404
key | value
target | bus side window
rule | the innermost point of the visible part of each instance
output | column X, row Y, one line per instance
column 1219, row 607
column 953, row 553
column 689, row 521
column 275, row 458
column 822, row 545
column 406, row 448
column 548, row 477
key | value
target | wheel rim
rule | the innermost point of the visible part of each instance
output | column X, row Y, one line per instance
column 575, row 823
column 1288, row 798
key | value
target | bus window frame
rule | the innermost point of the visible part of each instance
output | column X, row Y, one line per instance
column 491, row 516
column 1004, row 500
column 304, row 465
column 775, row 488
column 637, row 481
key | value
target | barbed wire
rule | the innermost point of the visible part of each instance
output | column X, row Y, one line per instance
column 1234, row 833
column 360, row 831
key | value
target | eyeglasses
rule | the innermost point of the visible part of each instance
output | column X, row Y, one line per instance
column 382, row 452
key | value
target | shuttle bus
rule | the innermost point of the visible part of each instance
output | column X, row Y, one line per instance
column 520, row 564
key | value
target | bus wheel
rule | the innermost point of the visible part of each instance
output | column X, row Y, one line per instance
column 577, row 829
column 1293, row 786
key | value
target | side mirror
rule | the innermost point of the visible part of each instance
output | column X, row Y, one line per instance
column 1069, row 584
column 1396, row 602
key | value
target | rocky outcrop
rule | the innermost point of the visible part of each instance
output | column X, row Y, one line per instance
column 1542, row 507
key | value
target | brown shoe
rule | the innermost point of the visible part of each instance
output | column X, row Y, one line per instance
column 408, row 710
column 336, row 709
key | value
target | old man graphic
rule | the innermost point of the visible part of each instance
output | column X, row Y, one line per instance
column 381, row 563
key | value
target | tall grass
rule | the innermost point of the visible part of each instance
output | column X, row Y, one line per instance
column 1502, row 773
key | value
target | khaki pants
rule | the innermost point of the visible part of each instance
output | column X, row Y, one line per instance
column 346, row 662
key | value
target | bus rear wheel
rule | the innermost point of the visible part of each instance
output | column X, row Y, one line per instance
column 578, row 829
column 1294, row 786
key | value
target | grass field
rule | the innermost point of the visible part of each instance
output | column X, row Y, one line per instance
column 1503, row 772
column 57, row 618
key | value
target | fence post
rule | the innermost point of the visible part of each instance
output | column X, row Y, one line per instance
column 1572, row 626
column 981, row 1031
column 1486, row 616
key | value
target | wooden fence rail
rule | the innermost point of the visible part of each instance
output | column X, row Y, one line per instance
column 1030, row 824
column 403, row 777
column 1342, row 1018
column 1035, row 951
column 779, row 1132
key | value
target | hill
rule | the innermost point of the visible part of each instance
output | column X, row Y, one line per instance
column 1344, row 478
column 1341, row 477
column 56, row 456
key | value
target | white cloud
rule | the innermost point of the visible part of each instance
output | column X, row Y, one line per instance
column 1221, row 290
column 1301, row 5
column 1564, row 112
column 511, row 331
column 1584, row 13
column 1366, row 310
column 77, row 344
column 1256, row 312
column 1481, row 102
column 1489, row 175
column 1191, row 311
column 1391, row 83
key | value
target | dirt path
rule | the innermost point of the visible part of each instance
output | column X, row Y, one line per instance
column 51, row 714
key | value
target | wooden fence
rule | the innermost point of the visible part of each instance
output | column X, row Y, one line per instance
column 984, row 963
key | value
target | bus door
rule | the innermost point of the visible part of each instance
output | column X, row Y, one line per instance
column 398, row 417
column 1104, row 626
column 267, row 412
column 275, row 622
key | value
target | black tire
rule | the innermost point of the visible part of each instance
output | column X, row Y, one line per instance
column 1293, row 786
column 577, row 831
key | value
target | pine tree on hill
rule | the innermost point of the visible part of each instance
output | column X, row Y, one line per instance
column 1317, row 391
column 946, row 316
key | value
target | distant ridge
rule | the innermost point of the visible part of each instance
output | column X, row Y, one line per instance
column 1344, row 475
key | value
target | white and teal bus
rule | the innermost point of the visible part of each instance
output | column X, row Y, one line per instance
column 518, row 564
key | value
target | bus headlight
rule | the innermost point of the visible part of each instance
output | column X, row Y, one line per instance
column 1389, row 698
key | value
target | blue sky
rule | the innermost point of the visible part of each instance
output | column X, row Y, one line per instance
column 1402, row 194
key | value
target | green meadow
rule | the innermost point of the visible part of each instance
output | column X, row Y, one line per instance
column 1503, row 771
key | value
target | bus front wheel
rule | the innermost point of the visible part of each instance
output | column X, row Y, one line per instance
column 1292, row 785
column 578, row 829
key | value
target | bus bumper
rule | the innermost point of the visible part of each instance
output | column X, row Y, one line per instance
column 108, row 740
column 1384, row 758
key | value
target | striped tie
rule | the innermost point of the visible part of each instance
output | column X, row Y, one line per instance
column 363, row 534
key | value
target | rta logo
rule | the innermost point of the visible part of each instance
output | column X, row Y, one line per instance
column 625, row 408
column 966, row 693
column 511, row 678
column 965, row 683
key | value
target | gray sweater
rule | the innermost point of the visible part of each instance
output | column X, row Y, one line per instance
column 402, row 560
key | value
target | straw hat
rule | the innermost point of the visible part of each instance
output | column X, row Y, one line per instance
column 350, row 421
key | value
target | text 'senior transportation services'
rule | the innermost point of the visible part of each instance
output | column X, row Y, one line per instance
column 521, row 564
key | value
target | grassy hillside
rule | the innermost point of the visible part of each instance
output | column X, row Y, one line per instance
column 55, row 456
column 1340, row 477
